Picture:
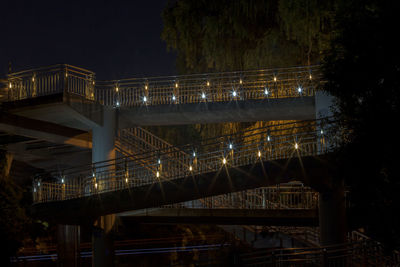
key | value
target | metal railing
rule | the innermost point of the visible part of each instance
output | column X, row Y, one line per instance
column 360, row 253
column 271, row 197
column 183, row 89
column 49, row 81
column 245, row 148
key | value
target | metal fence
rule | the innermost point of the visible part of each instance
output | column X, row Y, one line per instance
column 245, row 148
column 183, row 89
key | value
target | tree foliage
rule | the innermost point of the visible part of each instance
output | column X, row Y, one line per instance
column 236, row 35
column 363, row 73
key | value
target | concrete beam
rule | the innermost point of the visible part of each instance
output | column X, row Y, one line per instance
column 43, row 130
column 312, row 171
column 295, row 217
column 215, row 112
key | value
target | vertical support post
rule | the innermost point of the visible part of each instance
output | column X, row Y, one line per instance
column 68, row 245
column 332, row 215
column 103, row 148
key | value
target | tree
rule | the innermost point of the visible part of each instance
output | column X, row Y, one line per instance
column 362, row 69
column 238, row 35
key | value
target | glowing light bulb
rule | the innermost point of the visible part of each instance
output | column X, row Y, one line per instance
column 224, row 161
column 240, row 81
column 93, row 174
column 230, row 146
column 234, row 93
column 116, row 89
column 259, row 153
column 93, row 82
column 145, row 87
column 322, row 131
column 38, row 183
column 296, row 146
column 208, row 83
column 203, row 95
column 274, row 78
column 33, row 79
column 126, row 180
column 145, row 99
column 299, row 89
column 92, row 94
column 173, row 97
column 268, row 138
column 176, row 85
column 10, row 85
column 190, row 168
column 194, row 154
column 117, row 104
column 158, row 174
column 95, row 185
column 66, row 75
column 310, row 76
column 62, row 180
column 159, row 161
column 266, row 92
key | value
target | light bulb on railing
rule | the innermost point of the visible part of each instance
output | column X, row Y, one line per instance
column 173, row 97
column 144, row 99
column 38, row 184
column 299, row 89
column 203, row 95
column 10, row 85
column 190, row 168
column 224, row 161
column 176, row 85
column 322, row 132
column 93, row 174
column 296, row 145
column 194, row 154
column 158, row 174
column 117, row 104
column 94, row 82
column 126, row 180
column 259, row 153
column 230, row 146
column 240, row 81
column 208, row 83
column 310, row 76
column 159, row 161
column 145, row 87
column 116, row 89
column 234, row 93
column 274, row 78
column 266, row 92
column 62, row 180
column 33, row 79
column 268, row 138
column 95, row 185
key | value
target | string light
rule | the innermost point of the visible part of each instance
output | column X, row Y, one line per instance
column 224, row 161
column 93, row 82
column 95, row 185
column 159, row 161
column 33, row 79
column 144, row 99
column 62, row 180
column 259, row 153
column 310, row 76
column 234, row 93
column 274, row 78
column 117, row 103
column 116, row 89
column 190, row 168
column 173, row 97
column 240, row 81
column 126, row 180
column 10, row 85
column 145, row 87
column 230, row 146
column 194, row 154
column 93, row 174
column 208, row 83
column 158, row 174
column 38, row 183
column 203, row 95
column 296, row 145
column 268, row 138
column 176, row 85
column 322, row 131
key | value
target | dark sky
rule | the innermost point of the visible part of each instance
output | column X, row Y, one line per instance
column 115, row 39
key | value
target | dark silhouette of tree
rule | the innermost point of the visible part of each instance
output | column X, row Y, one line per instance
column 362, row 70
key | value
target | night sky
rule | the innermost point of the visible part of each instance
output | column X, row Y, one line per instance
column 115, row 39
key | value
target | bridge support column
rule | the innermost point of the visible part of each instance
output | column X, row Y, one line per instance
column 103, row 148
column 332, row 216
column 68, row 241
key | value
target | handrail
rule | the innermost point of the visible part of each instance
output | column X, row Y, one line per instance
column 215, row 154
column 183, row 89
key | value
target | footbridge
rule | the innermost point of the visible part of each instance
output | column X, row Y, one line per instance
column 130, row 169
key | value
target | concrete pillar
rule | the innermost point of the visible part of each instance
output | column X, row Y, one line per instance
column 68, row 245
column 332, row 216
column 103, row 148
